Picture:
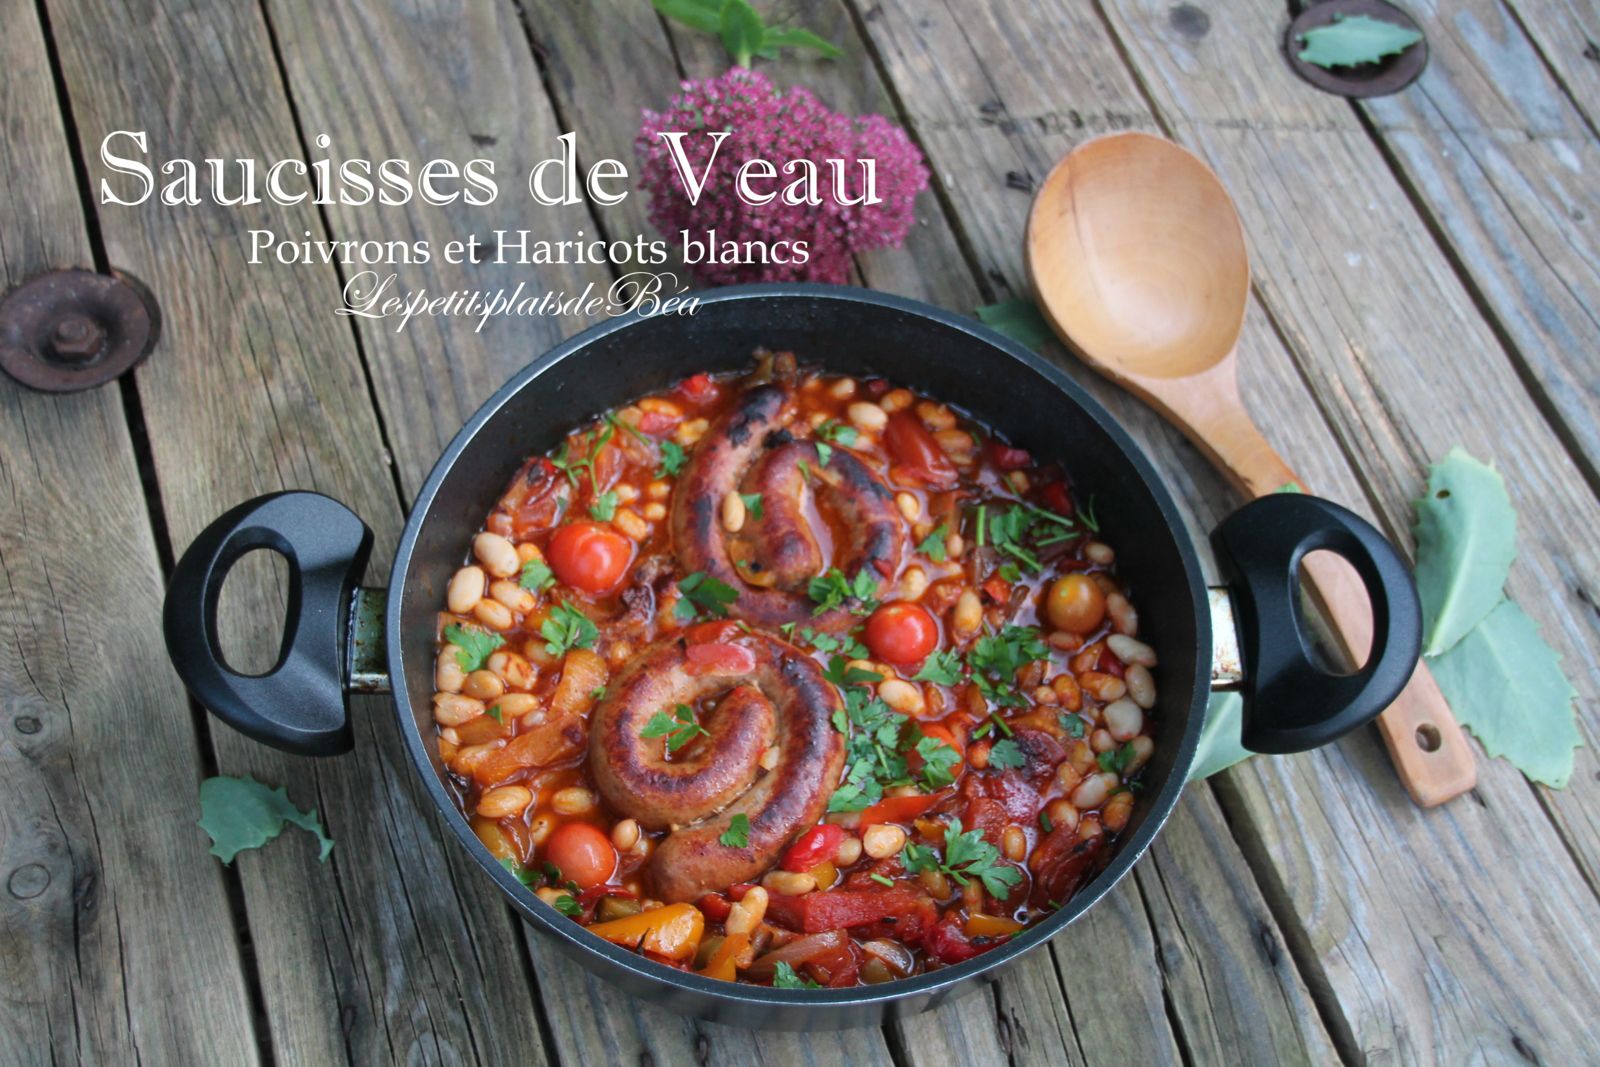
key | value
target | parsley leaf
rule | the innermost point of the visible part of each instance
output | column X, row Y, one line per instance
column 837, row 432
column 941, row 668
column 474, row 645
column 1005, row 755
column 241, row 813
column 737, row 835
column 833, row 589
column 701, row 592
column 966, row 856
column 932, row 546
column 497, row 713
column 537, row 576
column 824, row 453
column 939, row 761
column 882, row 879
column 679, row 728
column 1019, row 530
column 1072, row 724
column 996, row 658
column 752, row 503
column 1117, row 760
column 567, row 628
column 785, row 977
column 671, row 460
column 604, row 506
column 518, row 871
column 828, row 644
column 567, row 906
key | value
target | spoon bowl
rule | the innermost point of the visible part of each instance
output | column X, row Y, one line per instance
column 1138, row 258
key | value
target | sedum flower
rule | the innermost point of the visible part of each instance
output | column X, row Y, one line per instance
column 766, row 123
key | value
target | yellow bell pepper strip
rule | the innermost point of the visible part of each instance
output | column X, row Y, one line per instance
column 724, row 962
column 980, row 925
column 673, row 931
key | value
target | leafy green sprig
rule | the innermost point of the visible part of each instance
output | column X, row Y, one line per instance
column 744, row 33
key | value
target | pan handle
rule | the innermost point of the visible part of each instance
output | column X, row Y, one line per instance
column 1290, row 703
column 299, row 705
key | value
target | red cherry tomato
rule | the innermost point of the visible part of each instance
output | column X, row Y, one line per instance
column 589, row 556
column 820, row 844
column 584, row 854
column 719, row 659
column 699, row 388
column 1007, row 458
column 915, row 451
column 902, row 632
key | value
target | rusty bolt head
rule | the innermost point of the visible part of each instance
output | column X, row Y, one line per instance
column 68, row 330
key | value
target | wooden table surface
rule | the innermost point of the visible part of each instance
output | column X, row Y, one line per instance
column 1427, row 274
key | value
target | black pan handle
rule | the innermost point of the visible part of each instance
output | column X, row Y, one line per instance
column 299, row 705
column 1290, row 703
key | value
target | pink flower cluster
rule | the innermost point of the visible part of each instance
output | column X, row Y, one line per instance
column 777, row 126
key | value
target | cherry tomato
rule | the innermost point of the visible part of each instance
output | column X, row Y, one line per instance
column 719, row 659
column 1076, row 604
column 915, row 451
column 818, row 844
column 1007, row 458
column 699, row 388
column 589, row 556
column 584, row 854
column 902, row 632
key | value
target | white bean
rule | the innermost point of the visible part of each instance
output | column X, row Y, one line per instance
column 506, row 800
column 883, row 840
column 447, row 673
column 453, row 709
column 902, row 696
column 466, row 589
column 1141, row 686
column 1131, row 650
column 1124, row 719
column 1091, row 792
column 867, row 416
column 498, row 556
column 733, row 512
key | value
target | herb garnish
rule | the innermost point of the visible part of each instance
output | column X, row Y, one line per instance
column 679, row 728
column 1072, row 724
column 941, row 668
column 1117, row 760
column 996, row 658
column 752, row 502
column 604, row 507
column 737, row 835
column 966, row 856
column 785, row 977
column 932, row 546
column 473, row 645
column 701, row 592
column 567, row 628
column 833, row 589
column 828, row 644
column 536, row 576
column 671, row 460
column 1020, row 529
column 1006, row 755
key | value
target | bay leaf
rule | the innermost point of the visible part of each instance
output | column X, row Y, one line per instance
column 1353, row 40
column 1466, row 539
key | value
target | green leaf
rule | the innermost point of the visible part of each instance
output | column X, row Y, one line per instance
column 794, row 37
column 737, row 835
column 1350, row 42
column 672, row 459
column 1005, row 755
column 536, row 576
column 941, row 668
column 474, row 644
column 1019, row 320
column 839, row 433
column 703, row 15
column 241, row 813
column 784, row 976
column 1466, row 539
column 1505, row 685
column 567, row 628
column 742, row 31
column 701, row 592
column 752, row 503
column 604, row 507
column 1219, row 737
column 932, row 546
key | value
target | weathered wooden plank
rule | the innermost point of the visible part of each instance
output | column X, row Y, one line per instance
column 1361, row 899
column 381, row 43
column 98, row 846
column 1567, row 33
column 377, row 954
column 1504, row 165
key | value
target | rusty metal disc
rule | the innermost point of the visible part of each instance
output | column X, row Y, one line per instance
column 68, row 330
column 1389, row 75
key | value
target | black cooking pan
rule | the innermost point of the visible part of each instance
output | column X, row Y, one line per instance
column 1251, row 636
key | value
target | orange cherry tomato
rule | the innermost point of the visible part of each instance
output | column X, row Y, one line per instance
column 589, row 556
column 939, row 732
column 1076, row 604
column 902, row 632
column 583, row 853
column 916, row 452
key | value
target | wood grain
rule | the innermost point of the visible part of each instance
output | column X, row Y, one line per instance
column 1375, row 871
column 376, row 954
column 99, row 851
column 1567, row 35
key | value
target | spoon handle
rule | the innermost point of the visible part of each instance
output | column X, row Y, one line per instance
column 1429, row 749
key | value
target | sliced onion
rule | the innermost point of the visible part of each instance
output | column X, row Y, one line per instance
column 800, row 950
column 894, row 955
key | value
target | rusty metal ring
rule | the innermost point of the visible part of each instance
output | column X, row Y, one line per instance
column 1388, row 75
column 68, row 330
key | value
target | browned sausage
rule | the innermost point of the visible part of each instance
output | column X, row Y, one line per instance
column 772, row 560
column 784, row 701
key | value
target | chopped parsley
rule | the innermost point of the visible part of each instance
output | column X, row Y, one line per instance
column 833, row 590
column 604, row 506
column 996, row 658
column 966, row 856
column 567, row 628
column 932, row 546
column 752, row 503
column 824, row 453
column 882, row 879
column 473, row 645
column 785, row 977
column 939, row 762
column 879, row 741
column 567, row 906
column 701, row 592
column 671, row 460
column 1019, row 530
column 679, row 728
column 597, row 693
column 837, row 432
column 1045, row 824
column 497, row 713
column 536, row 576
column 1072, row 724
column 993, row 723
column 1086, row 515
column 572, row 468
column 828, row 644
column 737, row 835
column 1117, row 760
column 941, row 668
column 1006, row 755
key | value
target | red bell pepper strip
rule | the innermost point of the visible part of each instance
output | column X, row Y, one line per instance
column 820, row 844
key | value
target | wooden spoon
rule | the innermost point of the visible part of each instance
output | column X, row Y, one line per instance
column 1138, row 260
